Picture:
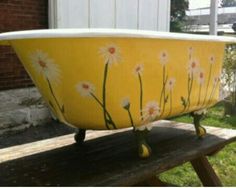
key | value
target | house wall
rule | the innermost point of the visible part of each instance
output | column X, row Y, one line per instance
column 18, row 15
column 122, row 14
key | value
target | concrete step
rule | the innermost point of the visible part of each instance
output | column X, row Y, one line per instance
column 22, row 108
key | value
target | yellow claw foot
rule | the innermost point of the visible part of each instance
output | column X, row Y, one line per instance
column 197, row 116
column 80, row 136
column 201, row 131
column 144, row 150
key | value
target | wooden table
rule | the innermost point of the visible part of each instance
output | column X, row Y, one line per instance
column 109, row 158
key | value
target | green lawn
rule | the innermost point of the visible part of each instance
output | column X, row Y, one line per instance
column 224, row 162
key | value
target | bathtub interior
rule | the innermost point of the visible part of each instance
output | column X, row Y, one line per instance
column 109, row 82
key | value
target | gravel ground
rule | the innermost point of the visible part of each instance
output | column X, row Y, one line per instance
column 33, row 134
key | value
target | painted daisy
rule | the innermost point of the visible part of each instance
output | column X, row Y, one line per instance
column 163, row 57
column 144, row 127
column 138, row 69
column 110, row 53
column 45, row 65
column 201, row 76
column 190, row 51
column 193, row 66
column 216, row 80
column 170, row 84
column 85, row 88
column 212, row 59
column 151, row 111
column 125, row 103
column 201, row 111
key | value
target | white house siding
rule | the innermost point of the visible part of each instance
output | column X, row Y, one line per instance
column 129, row 14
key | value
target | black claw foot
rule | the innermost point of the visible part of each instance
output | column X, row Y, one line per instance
column 200, row 130
column 80, row 136
column 144, row 150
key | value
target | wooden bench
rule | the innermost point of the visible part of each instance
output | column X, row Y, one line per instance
column 109, row 158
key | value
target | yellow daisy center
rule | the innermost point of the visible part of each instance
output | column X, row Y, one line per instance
column 112, row 50
column 42, row 63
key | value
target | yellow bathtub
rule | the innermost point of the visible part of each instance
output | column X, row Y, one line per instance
column 112, row 79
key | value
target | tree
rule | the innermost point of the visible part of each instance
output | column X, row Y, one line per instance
column 178, row 8
column 228, row 3
column 229, row 78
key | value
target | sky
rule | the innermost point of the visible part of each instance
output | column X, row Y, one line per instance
column 193, row 4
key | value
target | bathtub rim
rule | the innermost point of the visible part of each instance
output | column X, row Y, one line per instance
column 103, row 33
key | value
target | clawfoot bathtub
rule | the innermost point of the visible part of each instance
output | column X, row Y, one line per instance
column 112, row 79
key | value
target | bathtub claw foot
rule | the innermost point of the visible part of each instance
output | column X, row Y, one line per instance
column 197, row 116
column 80, row 136
column 144, row 150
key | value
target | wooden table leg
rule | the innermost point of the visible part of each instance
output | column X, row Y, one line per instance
column 205, row 172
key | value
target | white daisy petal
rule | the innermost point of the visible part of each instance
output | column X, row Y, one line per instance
column 212, row 59
column 125, row 102
column 151, row 111
column 144, row 127
column 85, row 88
column 140, row 128
column 201, row 76
column 163, row 57
column 216, row 80
column 190, row 51
column 193, row 66
column 170, row 84
column 110, row 53
column 42, row 64
column 200, row 112
column 138, row 69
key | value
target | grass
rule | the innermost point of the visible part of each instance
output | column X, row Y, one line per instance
column 224, row 162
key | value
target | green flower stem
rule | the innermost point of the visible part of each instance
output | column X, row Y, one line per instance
column 104, row 99
column 50, row 87
column 131, row 119
column 52, row 107
column 163, row 81
column 170, row 103
column 190, row 91
column 107, row 113
column 163, row 91
column 199, row 94
column 212, row 93
column 141, row 96
column 189, row 79
column 208, row 82
column 104, row 94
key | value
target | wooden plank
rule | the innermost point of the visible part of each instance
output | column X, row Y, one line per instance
column 127, row 14
column 148, row 14
column 28, row 149
column 205, row 172
column 102, row 13
column 113, row 156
